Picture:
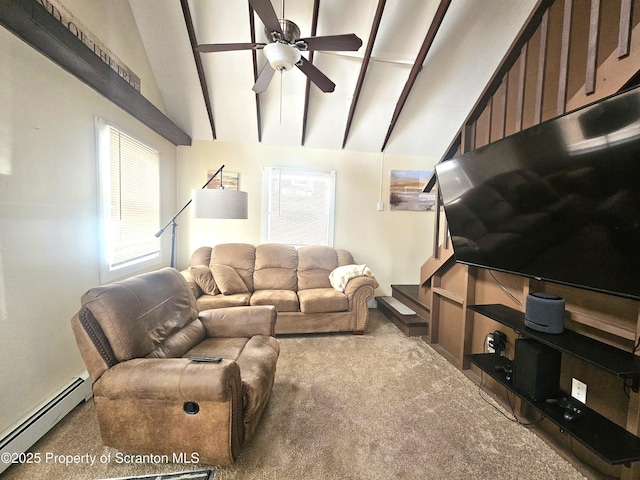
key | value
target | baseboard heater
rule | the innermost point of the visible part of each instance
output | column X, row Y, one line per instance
column 32, row 428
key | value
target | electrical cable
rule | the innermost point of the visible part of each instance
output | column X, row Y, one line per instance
column 515, row 418
column 480, row 392
column 524, row 424
column 504, row 289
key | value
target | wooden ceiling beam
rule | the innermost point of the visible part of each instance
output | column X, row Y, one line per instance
column 417, row 66
column 188, row 20
column 29, row 20
column 254, row 55
column 363, row 69
column 307, row 91
column 196, row 56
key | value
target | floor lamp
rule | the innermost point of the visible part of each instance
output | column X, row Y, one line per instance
column 210, row 203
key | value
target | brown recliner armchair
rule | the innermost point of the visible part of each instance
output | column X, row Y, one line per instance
column 136, row 338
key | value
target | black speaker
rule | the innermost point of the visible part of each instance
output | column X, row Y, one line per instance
column 545, row 312
column 536, row 369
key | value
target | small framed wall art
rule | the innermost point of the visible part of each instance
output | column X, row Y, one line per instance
column 229, row 180
column 406, row 190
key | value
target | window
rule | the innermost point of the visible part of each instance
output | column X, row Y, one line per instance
column 298, row 206
column 129, row 183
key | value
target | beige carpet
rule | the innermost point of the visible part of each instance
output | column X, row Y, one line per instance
column 377, row 406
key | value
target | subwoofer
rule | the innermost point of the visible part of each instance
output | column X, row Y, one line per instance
column 536, row 369
column 545, row 312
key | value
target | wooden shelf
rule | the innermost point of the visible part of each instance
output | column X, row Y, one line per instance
column 613, row 443
column 584, row 318
column 454, row 297
column 605, row 438
column 29, row 20
column 611, row 359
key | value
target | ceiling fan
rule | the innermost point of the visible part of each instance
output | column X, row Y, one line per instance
column 283, row 51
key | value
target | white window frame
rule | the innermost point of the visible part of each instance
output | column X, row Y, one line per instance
column 270, row 210
column 108, row 269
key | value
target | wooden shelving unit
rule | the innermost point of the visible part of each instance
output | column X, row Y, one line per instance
column 611, row 359
column 611, row 442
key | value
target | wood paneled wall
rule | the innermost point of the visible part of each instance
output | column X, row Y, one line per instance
column 569, row 54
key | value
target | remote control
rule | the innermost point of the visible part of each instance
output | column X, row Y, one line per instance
column 197, row 358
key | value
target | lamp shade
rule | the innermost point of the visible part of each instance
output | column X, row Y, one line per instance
column 219, row 203
column 281, row 56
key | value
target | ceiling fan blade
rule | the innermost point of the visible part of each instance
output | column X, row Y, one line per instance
column 227, row 47
column 267, row 14
column 316, row 76
column 344, row 43
column 262, row 83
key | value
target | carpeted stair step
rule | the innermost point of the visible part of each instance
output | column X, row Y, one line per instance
column 403, row 317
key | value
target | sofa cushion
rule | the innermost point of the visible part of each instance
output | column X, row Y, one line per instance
column 257, row 358
column 228, row 280
column 240, row 256
column 180, row 342
column 344, row 257
column 283, row 300
column 139, row 314
column 315, row 263
column 228, row 348
column 203, row 277
column 275, row 268
column 322, row 300
column 340, row 276
column 207, row 302
column 202, row 256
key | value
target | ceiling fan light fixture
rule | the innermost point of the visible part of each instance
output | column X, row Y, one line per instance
column 281, row 56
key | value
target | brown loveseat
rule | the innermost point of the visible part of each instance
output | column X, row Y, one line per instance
column 298, row 282
column 138, row 338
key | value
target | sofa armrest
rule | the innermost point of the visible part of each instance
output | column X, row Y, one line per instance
column 170, row 379
column 239, row 321
column 197, row 291
column 357, row 283
column 359, row 291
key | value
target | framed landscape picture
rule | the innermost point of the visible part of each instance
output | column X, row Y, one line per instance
column 229, row 180
column 406, row 190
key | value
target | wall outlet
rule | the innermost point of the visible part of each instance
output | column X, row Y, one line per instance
column 489, row 341
column 579, row 390
column 380, row 206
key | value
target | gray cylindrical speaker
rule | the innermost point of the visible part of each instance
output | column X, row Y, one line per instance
column 545, row 312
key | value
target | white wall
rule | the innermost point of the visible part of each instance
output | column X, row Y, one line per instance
column 393, row 243
column 48, row 214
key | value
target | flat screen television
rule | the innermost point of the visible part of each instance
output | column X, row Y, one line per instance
column 559, row 201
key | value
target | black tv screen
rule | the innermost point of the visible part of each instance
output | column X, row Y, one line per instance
column 559, row 201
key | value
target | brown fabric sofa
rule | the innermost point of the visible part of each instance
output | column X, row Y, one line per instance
column 295, row 281
column 136, row 338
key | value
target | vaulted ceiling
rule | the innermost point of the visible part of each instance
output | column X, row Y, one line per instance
column 406, row 91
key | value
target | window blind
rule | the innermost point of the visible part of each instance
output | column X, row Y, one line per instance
column 135, row 200
column 129, row 203
column 299, row 206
